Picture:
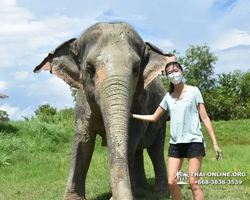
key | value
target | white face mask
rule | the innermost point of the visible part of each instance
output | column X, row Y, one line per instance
column 175, row 77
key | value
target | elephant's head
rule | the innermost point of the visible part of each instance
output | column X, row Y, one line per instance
column 113, row 65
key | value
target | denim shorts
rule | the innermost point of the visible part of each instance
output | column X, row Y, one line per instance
column 186, row 150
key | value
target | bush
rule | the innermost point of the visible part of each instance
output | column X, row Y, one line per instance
column 241, row 112
column 45, row 110
column 62, row 117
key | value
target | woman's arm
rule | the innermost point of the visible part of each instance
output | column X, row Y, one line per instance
column 207, row 123
column 150, row 118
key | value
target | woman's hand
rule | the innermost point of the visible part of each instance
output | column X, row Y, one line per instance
column 217, row 151
column 150, row 118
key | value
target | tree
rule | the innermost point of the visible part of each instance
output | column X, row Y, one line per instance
column 245, row 87
column 228, row 99
column 223, row 98
column 73, row 93
column 4, row 117
column 45, row 109
column 198, row 66
column 230, row 83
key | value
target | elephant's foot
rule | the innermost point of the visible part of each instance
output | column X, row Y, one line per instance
column 139, row 187
column 73, row 195
column 139, row 184
column 162, row 188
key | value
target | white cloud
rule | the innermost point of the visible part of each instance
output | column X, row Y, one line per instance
column 3, row 85
column 53, row 89
column 161, row 43
column 231, row 39
column 23, row 76
column 139, row 17
column 7, row 3
column 61, row 9
column 15, row 113
column 22, row 35
column 57, row 86
column 108, row 18
column 232, row 59
column 193, row 20
column 166, row 43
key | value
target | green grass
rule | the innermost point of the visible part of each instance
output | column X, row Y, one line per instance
column 35, row 160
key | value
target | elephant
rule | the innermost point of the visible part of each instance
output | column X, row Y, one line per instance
column 116, row 73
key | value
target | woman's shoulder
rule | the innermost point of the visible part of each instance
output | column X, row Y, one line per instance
column 167, row 95
column 190, row 86
column 193, row 88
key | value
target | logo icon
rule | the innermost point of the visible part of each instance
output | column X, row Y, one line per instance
column 182, row 177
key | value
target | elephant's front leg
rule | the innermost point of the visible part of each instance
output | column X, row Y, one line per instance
column 138, row 171
column 156, row 153
column 81, row 156
column 84, row 142
column 135, row 154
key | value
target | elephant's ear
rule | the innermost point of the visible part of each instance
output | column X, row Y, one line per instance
column 155, row 63
column 61, row 62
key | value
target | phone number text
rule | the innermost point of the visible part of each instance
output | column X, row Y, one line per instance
column 219, row 182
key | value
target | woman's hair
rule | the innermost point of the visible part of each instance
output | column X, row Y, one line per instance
column 174, row 63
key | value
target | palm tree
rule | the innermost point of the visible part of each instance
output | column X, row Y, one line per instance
column 3, row 96
column 185, row 176
column 178, row 175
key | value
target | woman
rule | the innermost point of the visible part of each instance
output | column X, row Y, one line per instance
column 185, row 105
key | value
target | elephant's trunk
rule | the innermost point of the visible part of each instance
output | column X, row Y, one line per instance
column 115, row 106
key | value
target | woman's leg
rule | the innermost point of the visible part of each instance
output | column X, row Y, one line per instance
column 174, row 165
column 194, row 165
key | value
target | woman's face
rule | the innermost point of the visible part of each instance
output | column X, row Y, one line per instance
column 173, row 68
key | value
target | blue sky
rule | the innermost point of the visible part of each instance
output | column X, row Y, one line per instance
column 30, row 29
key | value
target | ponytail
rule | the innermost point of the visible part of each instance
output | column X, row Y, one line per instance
column 171, row 88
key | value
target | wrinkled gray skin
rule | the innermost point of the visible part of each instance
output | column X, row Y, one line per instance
column 115, row 73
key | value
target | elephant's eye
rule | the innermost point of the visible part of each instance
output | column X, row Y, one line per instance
column 90, row 69
column 136, row 68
